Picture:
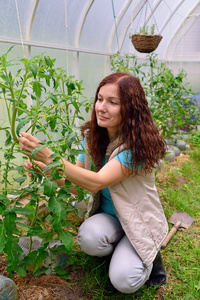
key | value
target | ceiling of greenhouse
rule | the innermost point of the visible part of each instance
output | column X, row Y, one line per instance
column 102, row 27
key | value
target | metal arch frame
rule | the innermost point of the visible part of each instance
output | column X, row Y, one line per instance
column 171, row 15
column 29, row 24
column 51, row 46
column 177, row 35
column 118, row 20
column 82, row 21
column 168, row 20
column 78, row 36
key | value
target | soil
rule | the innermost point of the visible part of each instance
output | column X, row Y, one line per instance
column 52, row 287
column 48, row 287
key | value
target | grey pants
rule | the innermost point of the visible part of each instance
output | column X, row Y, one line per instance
column 101, row 235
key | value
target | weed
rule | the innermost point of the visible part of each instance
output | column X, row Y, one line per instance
column 195, row 138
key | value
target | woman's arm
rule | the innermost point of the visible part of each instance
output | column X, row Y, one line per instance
column 110, row 174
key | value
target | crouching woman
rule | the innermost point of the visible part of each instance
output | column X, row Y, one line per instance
column 125, row 218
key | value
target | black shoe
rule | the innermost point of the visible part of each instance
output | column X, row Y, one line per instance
column 158, row 275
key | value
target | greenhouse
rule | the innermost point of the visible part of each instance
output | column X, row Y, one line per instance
column 128, row 164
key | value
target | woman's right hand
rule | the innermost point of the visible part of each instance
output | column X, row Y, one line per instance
column 28, row 143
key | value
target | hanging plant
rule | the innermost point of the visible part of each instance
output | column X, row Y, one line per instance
column 146, row 41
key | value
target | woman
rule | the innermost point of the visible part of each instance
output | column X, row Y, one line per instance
column 125, row 218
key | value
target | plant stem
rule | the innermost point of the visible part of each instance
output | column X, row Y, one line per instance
column 66, row 104
column 34, row 219
column 37, row 109
column 23, row 85
column 74, row 116
column 14, row 112
column 6, row 172
column 151, row 76
column 7, row 107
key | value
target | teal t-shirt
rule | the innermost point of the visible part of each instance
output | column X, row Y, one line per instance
column 106, row 204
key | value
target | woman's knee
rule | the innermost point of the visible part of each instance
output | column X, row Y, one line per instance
column 94, row 237
column 89, row 238
column 127, row 272
column 126, row 281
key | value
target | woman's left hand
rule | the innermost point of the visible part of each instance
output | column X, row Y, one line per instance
column 28, row 143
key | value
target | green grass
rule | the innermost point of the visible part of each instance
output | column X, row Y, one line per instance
column 179, row 190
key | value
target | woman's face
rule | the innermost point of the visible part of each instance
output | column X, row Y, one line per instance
column 108, row 108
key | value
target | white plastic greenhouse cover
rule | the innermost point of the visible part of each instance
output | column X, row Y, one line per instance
column 83, row 34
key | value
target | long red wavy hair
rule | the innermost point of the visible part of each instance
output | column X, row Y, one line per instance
column 137, row 130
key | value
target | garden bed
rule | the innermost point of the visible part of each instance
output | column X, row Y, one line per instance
column 48, row 287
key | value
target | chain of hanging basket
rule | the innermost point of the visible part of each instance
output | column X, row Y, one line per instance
column 146, row 43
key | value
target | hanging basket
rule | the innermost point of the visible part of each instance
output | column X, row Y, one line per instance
column 146, row 43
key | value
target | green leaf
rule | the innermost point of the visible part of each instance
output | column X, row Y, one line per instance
column 20, row 179
column 37, row 88
column 29, row 258
column 52, row 165
column 47, row 78
column 47, row 237
column 13, row 251
column 54, row 155
column 36, row 230
column 35, row 151
column 22, row 211
column 22, row 225
column 68, row 183
column 59, row 249
column 52, row 122
column 21, row 271
column 10, row 49
column 10, row 224
column 75, row 105
column 53, row 98
column 33, row 68
column 57, row 208
column 21, row 124
column 41, row 255
column 71, row 87
column 2, row 237
column 66, row 238
column 8, row 138
column 61, row 272
column 56, row 175
column 50, row 188
column 40, row 271
column 64, row 193
column 12, row 100
column 42, row 233
column 21, row 107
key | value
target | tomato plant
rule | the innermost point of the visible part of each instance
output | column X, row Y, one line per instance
column 43, row 100
column 170, row 96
